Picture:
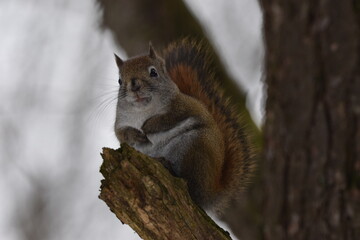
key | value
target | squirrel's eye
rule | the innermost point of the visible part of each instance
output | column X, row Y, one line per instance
column 153, row 72
column 120, row 82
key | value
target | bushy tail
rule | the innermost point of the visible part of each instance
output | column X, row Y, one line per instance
column 187, row 63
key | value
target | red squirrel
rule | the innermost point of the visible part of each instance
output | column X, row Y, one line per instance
column 172, row 109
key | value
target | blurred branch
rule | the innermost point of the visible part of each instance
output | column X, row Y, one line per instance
column 144, row 195
column 33, row 220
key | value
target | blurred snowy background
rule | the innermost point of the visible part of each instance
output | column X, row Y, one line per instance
column 58, row 84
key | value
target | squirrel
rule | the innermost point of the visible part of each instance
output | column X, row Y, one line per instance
column 171, row 109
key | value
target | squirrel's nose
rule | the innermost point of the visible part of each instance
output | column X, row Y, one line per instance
column 135, row 85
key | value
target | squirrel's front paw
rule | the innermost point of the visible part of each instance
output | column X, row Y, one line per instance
column 151, row 125
column 146, row 127
column 137, row 137
column 133, row 136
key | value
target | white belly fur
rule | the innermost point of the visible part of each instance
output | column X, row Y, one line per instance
column 135, row 121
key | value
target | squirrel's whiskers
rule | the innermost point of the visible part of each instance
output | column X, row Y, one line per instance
column 106, row 99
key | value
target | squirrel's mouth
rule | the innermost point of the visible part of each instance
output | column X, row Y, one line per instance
column 140, row 99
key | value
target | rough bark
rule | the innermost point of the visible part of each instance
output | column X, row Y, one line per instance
column 144, row 195
column 312, row 129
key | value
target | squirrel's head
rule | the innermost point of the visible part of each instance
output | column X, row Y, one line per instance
column 143, row 80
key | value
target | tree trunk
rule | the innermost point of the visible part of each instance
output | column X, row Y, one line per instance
column 312, row 129
column 157, row 205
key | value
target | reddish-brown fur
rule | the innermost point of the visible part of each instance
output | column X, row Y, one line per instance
column 187, row 64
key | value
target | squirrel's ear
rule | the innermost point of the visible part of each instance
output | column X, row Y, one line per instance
column 152, row 52
column 118, row 60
